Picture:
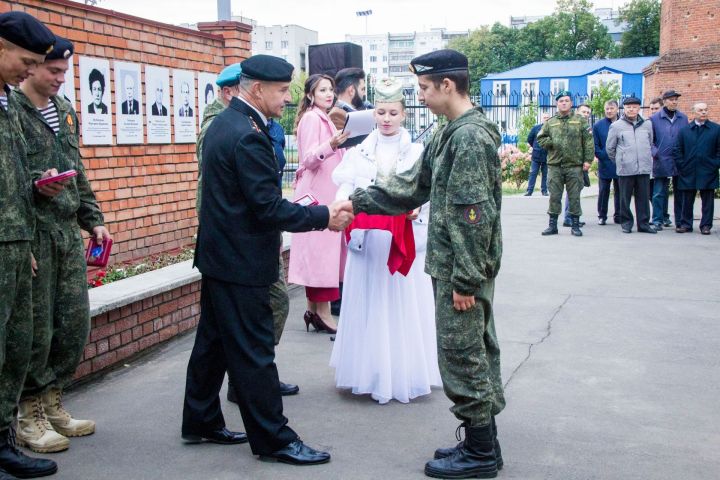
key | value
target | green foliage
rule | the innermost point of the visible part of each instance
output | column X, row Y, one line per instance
column 573, row 32
column 527, row 120
column 297, row 90
column 642, row 38
column 601, row 94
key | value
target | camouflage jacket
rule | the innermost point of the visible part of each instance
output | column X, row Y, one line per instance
column 459, row 174
column 567, row 141
column 209, row 114
column 16, row 214
column 45, row 150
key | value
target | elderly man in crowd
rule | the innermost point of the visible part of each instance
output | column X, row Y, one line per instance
column 606, row 167
column 628, row 145
column 697, row 156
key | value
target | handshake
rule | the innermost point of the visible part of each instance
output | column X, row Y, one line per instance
column 341, row 215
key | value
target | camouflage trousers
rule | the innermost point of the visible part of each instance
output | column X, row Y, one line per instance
column 61, row 311
column 559, row 178
column 279, row 303
column 15, row 325
column 469, row 354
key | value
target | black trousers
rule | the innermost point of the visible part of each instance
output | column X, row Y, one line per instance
column 707, row 197
column 678, row 198
column 604, row 197
column 638, row 186
column 235, row 334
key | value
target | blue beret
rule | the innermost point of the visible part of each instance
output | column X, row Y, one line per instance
column 439, row 61
column 562, row 93
column 63, row 48
column 26, row 32
column 632, row 101
column 229, row 76
column 267, row 68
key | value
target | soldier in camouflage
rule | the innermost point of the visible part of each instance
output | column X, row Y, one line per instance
column 460, row 175
column 24, row 42
column 228, row 81
column 570, row 149
column 61, row 311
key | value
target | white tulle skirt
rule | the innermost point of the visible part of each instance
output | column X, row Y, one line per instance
column 385, row 344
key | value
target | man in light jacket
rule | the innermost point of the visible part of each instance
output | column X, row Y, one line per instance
column 629, row 146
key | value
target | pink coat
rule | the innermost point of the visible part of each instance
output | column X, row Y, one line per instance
column 316, row 258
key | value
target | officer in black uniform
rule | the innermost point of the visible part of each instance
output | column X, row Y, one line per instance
column 242, row 214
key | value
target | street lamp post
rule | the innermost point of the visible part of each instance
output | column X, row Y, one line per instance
column 366, row 14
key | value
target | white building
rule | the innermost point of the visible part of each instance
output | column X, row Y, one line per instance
column 389, row 54
column 607, row 17
column 286, row 41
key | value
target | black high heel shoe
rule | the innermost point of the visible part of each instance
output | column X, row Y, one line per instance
column 321, row 326
column 310, row 320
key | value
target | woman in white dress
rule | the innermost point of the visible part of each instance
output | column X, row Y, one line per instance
column 385, row 344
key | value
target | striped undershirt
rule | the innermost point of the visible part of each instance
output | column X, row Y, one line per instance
column 3, row 101
column 51, row 116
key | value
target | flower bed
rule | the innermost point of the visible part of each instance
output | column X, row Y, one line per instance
column 122, row 271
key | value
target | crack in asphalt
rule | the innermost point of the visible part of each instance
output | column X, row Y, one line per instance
column 548, row 331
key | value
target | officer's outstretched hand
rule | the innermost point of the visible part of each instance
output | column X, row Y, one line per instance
column 51, row 189
column 100, row 233
column 341, row 215
column 463, row 302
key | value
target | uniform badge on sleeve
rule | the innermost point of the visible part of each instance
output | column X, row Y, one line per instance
column 472, row 214
column 69, row 120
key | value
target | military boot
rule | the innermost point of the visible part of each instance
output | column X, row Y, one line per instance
column 446, row 452
column 35, row 431
column 15, row 463
column 475, row 459
column 60, row 419
column 552, row 227
column 575, row 230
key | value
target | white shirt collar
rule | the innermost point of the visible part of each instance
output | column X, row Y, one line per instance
column 262, row 117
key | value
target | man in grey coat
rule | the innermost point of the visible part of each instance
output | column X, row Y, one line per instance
column 629, row 146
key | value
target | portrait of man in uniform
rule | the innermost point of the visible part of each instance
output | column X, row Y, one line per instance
column 97, row 88
column 158, row 109
column 130, row 106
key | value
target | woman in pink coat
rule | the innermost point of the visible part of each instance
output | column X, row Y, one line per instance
column 316, row 257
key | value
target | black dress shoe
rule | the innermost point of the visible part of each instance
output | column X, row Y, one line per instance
column 15, row 464
column 528, row 194
column 288, row 389
column 222, row 436
column 705, row 230
column 648, row 229
column 627, row 230
column 297, row 453
column 667, row 223
column 602, row 221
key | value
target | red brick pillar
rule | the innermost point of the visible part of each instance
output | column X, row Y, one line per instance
column 689, row 54
column 237, row 39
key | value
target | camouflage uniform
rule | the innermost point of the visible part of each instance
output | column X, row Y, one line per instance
column 569, row 145
column 61, row 312
column 460, row 175
column 279, row 300
column 16, row 232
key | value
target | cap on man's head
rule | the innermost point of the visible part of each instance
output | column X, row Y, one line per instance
column 562, row 93
column 229, row 76
column 439, row 61
column 26, row 32
column 631, row 101
column 670, row 94
column 63, row 49
column 267, row 68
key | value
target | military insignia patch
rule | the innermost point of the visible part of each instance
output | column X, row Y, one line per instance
column 254, row 125
column 472, row 214
column 70, row 123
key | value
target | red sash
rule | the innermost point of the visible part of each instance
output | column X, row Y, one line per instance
column 402, row 247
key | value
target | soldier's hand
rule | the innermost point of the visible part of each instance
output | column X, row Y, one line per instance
column 51, row 189
column 341, row 215
column 586, row 166
column 100, row 233
column 33, row 265
column 463, row 302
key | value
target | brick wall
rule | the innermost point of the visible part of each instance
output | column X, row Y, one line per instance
column 689, row 54
column 119, row 334
column 147, row 192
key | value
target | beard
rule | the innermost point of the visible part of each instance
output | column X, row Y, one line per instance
column 357, row 102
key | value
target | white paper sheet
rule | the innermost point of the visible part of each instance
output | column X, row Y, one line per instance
column 360, row 123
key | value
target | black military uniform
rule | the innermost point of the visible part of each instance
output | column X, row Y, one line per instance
column 242, row 214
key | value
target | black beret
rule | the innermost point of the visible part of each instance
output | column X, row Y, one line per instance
column 670, row 94
column 267, row 68
column 439, row 61
column 26, row 32
column 632, row 101
column 63, row 49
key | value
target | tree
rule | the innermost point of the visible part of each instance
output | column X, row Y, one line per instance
column 642, row 37
column 579, row 34
column 297, row 90
column 601, row 94
column 527, row 121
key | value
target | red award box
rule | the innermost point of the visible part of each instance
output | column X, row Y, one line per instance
column 306, row 200
column 98, row 255
column 57, row 178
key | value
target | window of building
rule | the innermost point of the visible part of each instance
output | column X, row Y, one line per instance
column 603, row 77
column 384, row 58
column 373, row 70
column 373, row 58
column 402, row 44
column 384, row 70
column 284, row 44
column 268, row 45
column 529, row 91
column 558, row 84
column 373, row 47
column 398, row 69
